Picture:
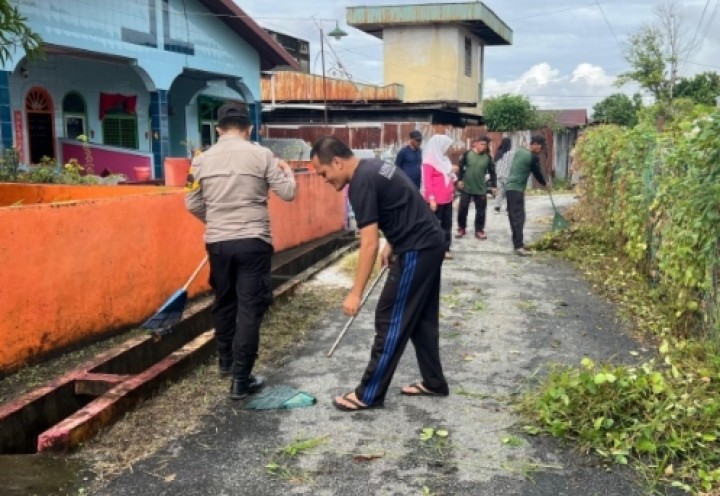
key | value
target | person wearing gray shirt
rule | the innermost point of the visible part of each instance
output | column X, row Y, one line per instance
column 228, row 191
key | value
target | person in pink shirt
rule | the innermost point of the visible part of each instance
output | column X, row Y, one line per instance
column 438, row 183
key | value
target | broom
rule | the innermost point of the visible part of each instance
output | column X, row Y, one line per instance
column 560, row 223
column 170, row 313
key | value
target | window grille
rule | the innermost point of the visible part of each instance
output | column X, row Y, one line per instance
column 120, row 131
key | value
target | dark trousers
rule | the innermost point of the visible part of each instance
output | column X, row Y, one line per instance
column 240, row 278
column 408, row 309
column 480, row 202
column 516, row 215
column 444, row 215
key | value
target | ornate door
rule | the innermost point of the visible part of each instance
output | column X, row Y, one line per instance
column 40, row 122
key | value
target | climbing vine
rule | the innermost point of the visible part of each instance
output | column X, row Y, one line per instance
column 649, row 238
column 658, row 195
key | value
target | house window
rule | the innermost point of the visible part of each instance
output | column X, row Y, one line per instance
column 119, row 120
column 120, row 130
column 468, row 56
column 74, row 114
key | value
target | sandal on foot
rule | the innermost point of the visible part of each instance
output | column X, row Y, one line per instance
column 357, row 406
column 420, row 390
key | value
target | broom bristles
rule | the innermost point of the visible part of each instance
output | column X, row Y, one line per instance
column 170, row 312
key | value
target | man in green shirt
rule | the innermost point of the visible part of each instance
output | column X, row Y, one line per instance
column 474, row 165
column 524, row 162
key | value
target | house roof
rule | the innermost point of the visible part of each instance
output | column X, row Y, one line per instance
column 271, row 53
column 479, row 19
column 570, row 117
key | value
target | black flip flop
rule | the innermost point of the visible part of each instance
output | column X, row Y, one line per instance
column 421, row 391
column 358, row 406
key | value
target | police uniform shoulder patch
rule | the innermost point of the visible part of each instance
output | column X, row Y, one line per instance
column 191, row 184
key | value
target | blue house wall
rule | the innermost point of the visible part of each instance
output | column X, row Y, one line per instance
column 164, row 52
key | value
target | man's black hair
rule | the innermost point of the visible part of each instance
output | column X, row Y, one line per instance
column 239, row 122
column 482, row 137
column 328, row 147
column 538, row 139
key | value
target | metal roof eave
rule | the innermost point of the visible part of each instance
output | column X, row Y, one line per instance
column 272, row 54
column 313, row 115
column 475, row 15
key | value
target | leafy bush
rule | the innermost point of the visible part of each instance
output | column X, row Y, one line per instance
column 666, row 414
column 650, row 240
column 659, row 194
column 9, row 166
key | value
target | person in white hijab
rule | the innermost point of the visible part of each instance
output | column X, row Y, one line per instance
column 438, row 182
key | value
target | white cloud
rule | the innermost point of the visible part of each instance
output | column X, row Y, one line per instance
column 592, row 75
column 538, row 76
column 549, row 88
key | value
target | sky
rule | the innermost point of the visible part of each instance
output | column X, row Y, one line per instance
column 565, row 54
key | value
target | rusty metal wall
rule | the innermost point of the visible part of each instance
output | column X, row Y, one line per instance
column 387, row 138
column 301, row 87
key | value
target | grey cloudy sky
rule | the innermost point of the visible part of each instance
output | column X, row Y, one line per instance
column 565, row 54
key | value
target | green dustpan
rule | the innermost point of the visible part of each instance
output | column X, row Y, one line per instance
column 560, row 223
column 280, row 398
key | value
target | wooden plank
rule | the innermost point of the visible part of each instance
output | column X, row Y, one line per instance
column 103, row 411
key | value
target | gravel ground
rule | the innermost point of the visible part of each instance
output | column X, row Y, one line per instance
column 504, row 320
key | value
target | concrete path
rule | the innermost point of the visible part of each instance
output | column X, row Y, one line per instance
column 504, row 319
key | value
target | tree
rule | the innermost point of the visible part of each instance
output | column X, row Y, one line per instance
column 510, row 113
column 645, row 56
column 15, row 33
column 702, row 88
column 616, row 109
column 655, row 53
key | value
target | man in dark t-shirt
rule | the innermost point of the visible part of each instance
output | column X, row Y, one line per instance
column 384, row 199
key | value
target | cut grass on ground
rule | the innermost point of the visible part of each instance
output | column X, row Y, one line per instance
column 156, row 423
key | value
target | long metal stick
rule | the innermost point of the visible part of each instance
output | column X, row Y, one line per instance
column 362, row 302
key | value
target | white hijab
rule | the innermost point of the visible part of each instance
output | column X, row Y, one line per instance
column 434, row 155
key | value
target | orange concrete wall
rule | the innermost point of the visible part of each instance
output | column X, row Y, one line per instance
column 28, row 194
column 72, row 271
column 317, row 211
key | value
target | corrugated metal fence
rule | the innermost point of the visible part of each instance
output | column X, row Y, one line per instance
column 386, row 139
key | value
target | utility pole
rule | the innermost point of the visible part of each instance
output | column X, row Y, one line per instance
column 336, row 33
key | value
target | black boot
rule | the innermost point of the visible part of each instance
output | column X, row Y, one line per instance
column 241, row 389
column 225, row 360
column 224, row 365
column 243, row 382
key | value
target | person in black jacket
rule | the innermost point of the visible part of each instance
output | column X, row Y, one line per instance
column 409, row 158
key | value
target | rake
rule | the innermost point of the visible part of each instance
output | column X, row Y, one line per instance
column 560, row 223
column 362, row 302
column 170, row 313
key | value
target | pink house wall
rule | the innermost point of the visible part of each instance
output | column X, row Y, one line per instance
column 116, row 161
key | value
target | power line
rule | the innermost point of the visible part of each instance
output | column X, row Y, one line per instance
column 709, row 23
column 608, row 25
column 558, row 11
column 717, row 68
column 699, row 27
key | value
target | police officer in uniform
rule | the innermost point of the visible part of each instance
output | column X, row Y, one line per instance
column 228, row 191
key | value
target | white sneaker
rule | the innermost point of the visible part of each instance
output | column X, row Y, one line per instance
column 523, row 252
